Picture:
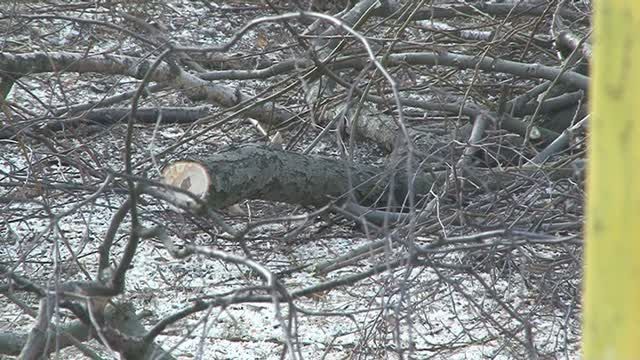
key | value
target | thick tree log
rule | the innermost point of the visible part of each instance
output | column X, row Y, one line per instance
column 265, row 173
column 262, row 172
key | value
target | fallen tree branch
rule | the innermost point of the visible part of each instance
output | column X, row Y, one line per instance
column 110, row 116
column 261, row 172
column 490, row 64
column 196, row 89
column 265, row 173
column 121, row 316
column 521, row 8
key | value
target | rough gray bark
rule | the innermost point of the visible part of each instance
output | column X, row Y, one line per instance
column 513, row 9
column 110, row 116
column 265, row 173
column 261, row 172
column 192, row 86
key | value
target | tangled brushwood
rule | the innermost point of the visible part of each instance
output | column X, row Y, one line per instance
column 299, row 179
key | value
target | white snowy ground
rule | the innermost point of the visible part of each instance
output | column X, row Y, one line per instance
column 162, row 285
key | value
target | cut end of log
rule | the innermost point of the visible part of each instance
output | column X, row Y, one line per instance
column 190, row 176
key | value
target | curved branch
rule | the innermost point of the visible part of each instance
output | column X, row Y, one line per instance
column 490, row 64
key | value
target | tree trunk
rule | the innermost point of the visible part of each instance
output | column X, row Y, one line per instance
column 262, row 172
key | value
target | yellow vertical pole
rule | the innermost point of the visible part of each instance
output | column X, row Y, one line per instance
column 612, row 269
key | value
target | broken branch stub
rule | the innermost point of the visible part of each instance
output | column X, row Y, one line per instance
column 265, row 173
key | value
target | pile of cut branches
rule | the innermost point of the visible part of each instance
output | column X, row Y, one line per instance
column 446, row 140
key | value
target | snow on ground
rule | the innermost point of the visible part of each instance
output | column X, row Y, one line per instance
column 162, row 285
